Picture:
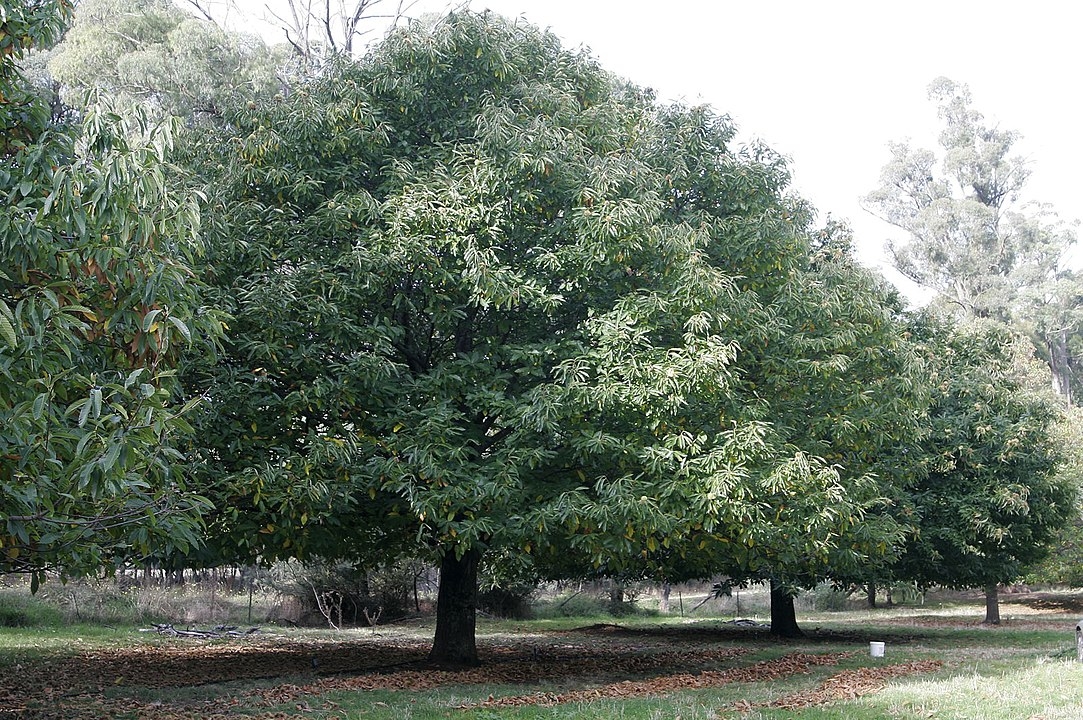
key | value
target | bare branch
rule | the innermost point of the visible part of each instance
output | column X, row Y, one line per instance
column 327, row 25
column 198, row 7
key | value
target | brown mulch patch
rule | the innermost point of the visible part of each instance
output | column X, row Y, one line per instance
column 759, row 672
column 95, row 684
column 583, row 663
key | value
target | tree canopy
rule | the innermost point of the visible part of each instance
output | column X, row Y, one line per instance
column 993, row 259
column 153, row 54
column 486, row 300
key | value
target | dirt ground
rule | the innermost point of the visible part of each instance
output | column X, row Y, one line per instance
column 610, row 661
column 617, row 662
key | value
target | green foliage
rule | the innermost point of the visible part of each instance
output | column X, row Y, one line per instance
column 826, row 362
column 1064, row 563
column 994, row 493
column 446, row 228
column 578, row 606
column 488, row 298
column 351, row 595
column 828, row 597
column 23, row 114
column 97, row 305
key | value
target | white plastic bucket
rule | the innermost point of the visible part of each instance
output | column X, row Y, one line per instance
column 876, row 649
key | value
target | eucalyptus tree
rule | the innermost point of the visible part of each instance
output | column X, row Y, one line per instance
column 97, row 303
column 317, row 30
column 154, row 54
column 997, row 486
column 972, row 241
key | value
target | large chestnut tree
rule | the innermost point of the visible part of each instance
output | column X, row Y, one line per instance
column 489, row 298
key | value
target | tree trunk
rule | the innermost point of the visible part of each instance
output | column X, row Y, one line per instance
column 616, row 597
column 992, row 605
column 783, row 614
column 663, row 604
column 456, row 611
column 1060, row 363
column 870, row 591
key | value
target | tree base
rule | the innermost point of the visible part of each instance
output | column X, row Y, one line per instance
column 783, row 614
column 454, row 645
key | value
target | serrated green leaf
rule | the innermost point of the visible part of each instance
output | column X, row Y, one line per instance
column 83, row 441
column 96, row 401
column 110, row 458
column 84, row 413
column 38, row 408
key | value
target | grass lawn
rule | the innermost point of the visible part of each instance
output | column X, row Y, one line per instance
column 939, row 663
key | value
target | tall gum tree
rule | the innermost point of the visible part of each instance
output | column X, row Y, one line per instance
column 972, row 240
column 153, row 54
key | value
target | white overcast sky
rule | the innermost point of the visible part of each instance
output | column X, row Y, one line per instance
column 829, row 83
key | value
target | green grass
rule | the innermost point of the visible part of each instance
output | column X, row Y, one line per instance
column 59, row 641
column 1020, row 687
column 21, row 610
